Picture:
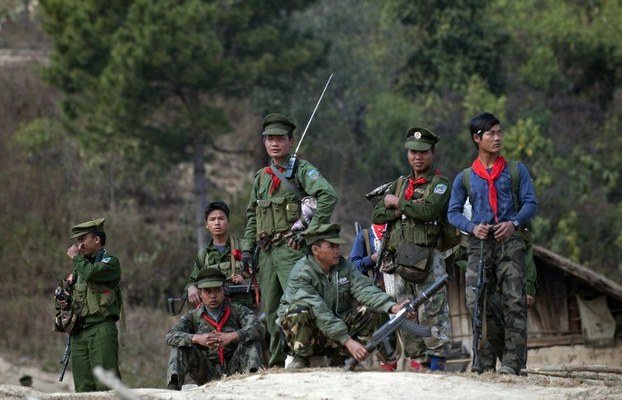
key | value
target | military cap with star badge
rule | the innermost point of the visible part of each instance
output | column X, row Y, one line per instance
column 95, row 225
column 277, row 124
column 420, row 139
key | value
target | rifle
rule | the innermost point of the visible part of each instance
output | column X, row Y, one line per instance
column 231, row 290
column 65, row 359
column 400, row 321
column 291, row 164
column 478, row 310
column 173, row 300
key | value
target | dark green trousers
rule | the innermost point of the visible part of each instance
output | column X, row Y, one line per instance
column 90, row 347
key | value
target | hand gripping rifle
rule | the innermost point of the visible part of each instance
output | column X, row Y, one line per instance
column 478, row 310
column 400, row 321
column 291, row 164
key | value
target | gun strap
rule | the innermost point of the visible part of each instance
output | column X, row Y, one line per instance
column 231, row 248
column 287, row 182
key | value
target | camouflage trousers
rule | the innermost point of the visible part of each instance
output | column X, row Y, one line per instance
column 305, row 339
column 203, row 365
column 434, row 312
column 505, row 326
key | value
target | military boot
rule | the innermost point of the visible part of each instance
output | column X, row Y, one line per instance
column 298, row 362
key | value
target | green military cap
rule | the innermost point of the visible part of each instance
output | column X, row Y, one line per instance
column 328, row 232
column 95, row 225
column 420, row 139
column 210, row 278
column 277, row 124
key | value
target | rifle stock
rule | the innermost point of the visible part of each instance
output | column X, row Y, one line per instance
column 478, row 310
column 399, row 321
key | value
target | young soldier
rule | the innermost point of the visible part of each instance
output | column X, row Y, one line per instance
column 214, row 339
column 413, row 208
column 96, row 298
column 223, row 253
column 316, row 311
column 273, row 209
column 496, row 221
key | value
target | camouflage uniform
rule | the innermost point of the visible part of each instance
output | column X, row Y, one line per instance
column 271, row 216
column 212, row 257
column 317, row 311
column 419, row 225
column 203, row 364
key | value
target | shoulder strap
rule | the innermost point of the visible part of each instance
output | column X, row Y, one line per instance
column 515, row 178
column 231, row 249
column 367, row 244
column 287, row 182
column 399, row 186
column 466, row 181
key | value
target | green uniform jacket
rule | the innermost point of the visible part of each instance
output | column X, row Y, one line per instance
column 212, row 258
column 309, row 182
column 241, row 320
column 331, row 297
column 420, row 215
column 103, row 270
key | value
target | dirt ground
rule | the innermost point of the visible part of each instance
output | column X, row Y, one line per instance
column 333, row 383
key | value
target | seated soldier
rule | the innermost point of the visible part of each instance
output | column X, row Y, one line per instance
column 215, row 338
column 316, row 311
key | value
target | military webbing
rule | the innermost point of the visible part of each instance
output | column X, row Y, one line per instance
column 287, row 182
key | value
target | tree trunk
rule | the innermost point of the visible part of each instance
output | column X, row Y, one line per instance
column 200, row 191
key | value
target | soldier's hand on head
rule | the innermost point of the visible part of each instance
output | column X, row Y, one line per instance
column 193, row 295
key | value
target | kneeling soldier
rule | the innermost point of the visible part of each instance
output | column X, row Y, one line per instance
column 215, row 339
column 317, row 312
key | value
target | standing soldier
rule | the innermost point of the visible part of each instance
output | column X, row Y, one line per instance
column 413, row 209
column 273, row 210
column 96, row 300
column 223, row 252
column 498, row 223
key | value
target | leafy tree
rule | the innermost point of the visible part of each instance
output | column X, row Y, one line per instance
column 159, row 71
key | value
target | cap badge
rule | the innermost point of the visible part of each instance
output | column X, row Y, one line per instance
column 417, row 135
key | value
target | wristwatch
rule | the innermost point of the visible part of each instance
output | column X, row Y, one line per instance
column 516, row 224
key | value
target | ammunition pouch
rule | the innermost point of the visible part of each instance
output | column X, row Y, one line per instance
column 276, row 214
column 413, row 262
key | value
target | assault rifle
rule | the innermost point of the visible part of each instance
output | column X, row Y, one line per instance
column 400, row 321
column 65, row 359
column 478, row 310
column 173, row 300
column 231, row 290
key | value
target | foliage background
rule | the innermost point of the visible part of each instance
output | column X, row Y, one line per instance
column 74, row 133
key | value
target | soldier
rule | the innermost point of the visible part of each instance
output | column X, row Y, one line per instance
column 96, row 300
column 215, row 338
column 274, row 215
column 223, row 252
column 413, row 208
column 496, row 221
column 316, row 311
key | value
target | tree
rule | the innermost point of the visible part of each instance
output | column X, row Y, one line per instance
column 159, row 71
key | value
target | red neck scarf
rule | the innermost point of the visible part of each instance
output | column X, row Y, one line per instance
column 218, row 326
column 482, row 172
column 410, row 190
column 276, row 181
column 379, row 230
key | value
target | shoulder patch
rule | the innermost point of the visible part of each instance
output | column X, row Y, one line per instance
column 441, row 188
column 313, row 174
column 106, row 260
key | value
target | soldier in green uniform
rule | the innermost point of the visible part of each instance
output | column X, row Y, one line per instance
column 413, row 208
column 317, row 310
column 218, row 338
column 274, row 215
column 224, row 252
column 97, row 300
